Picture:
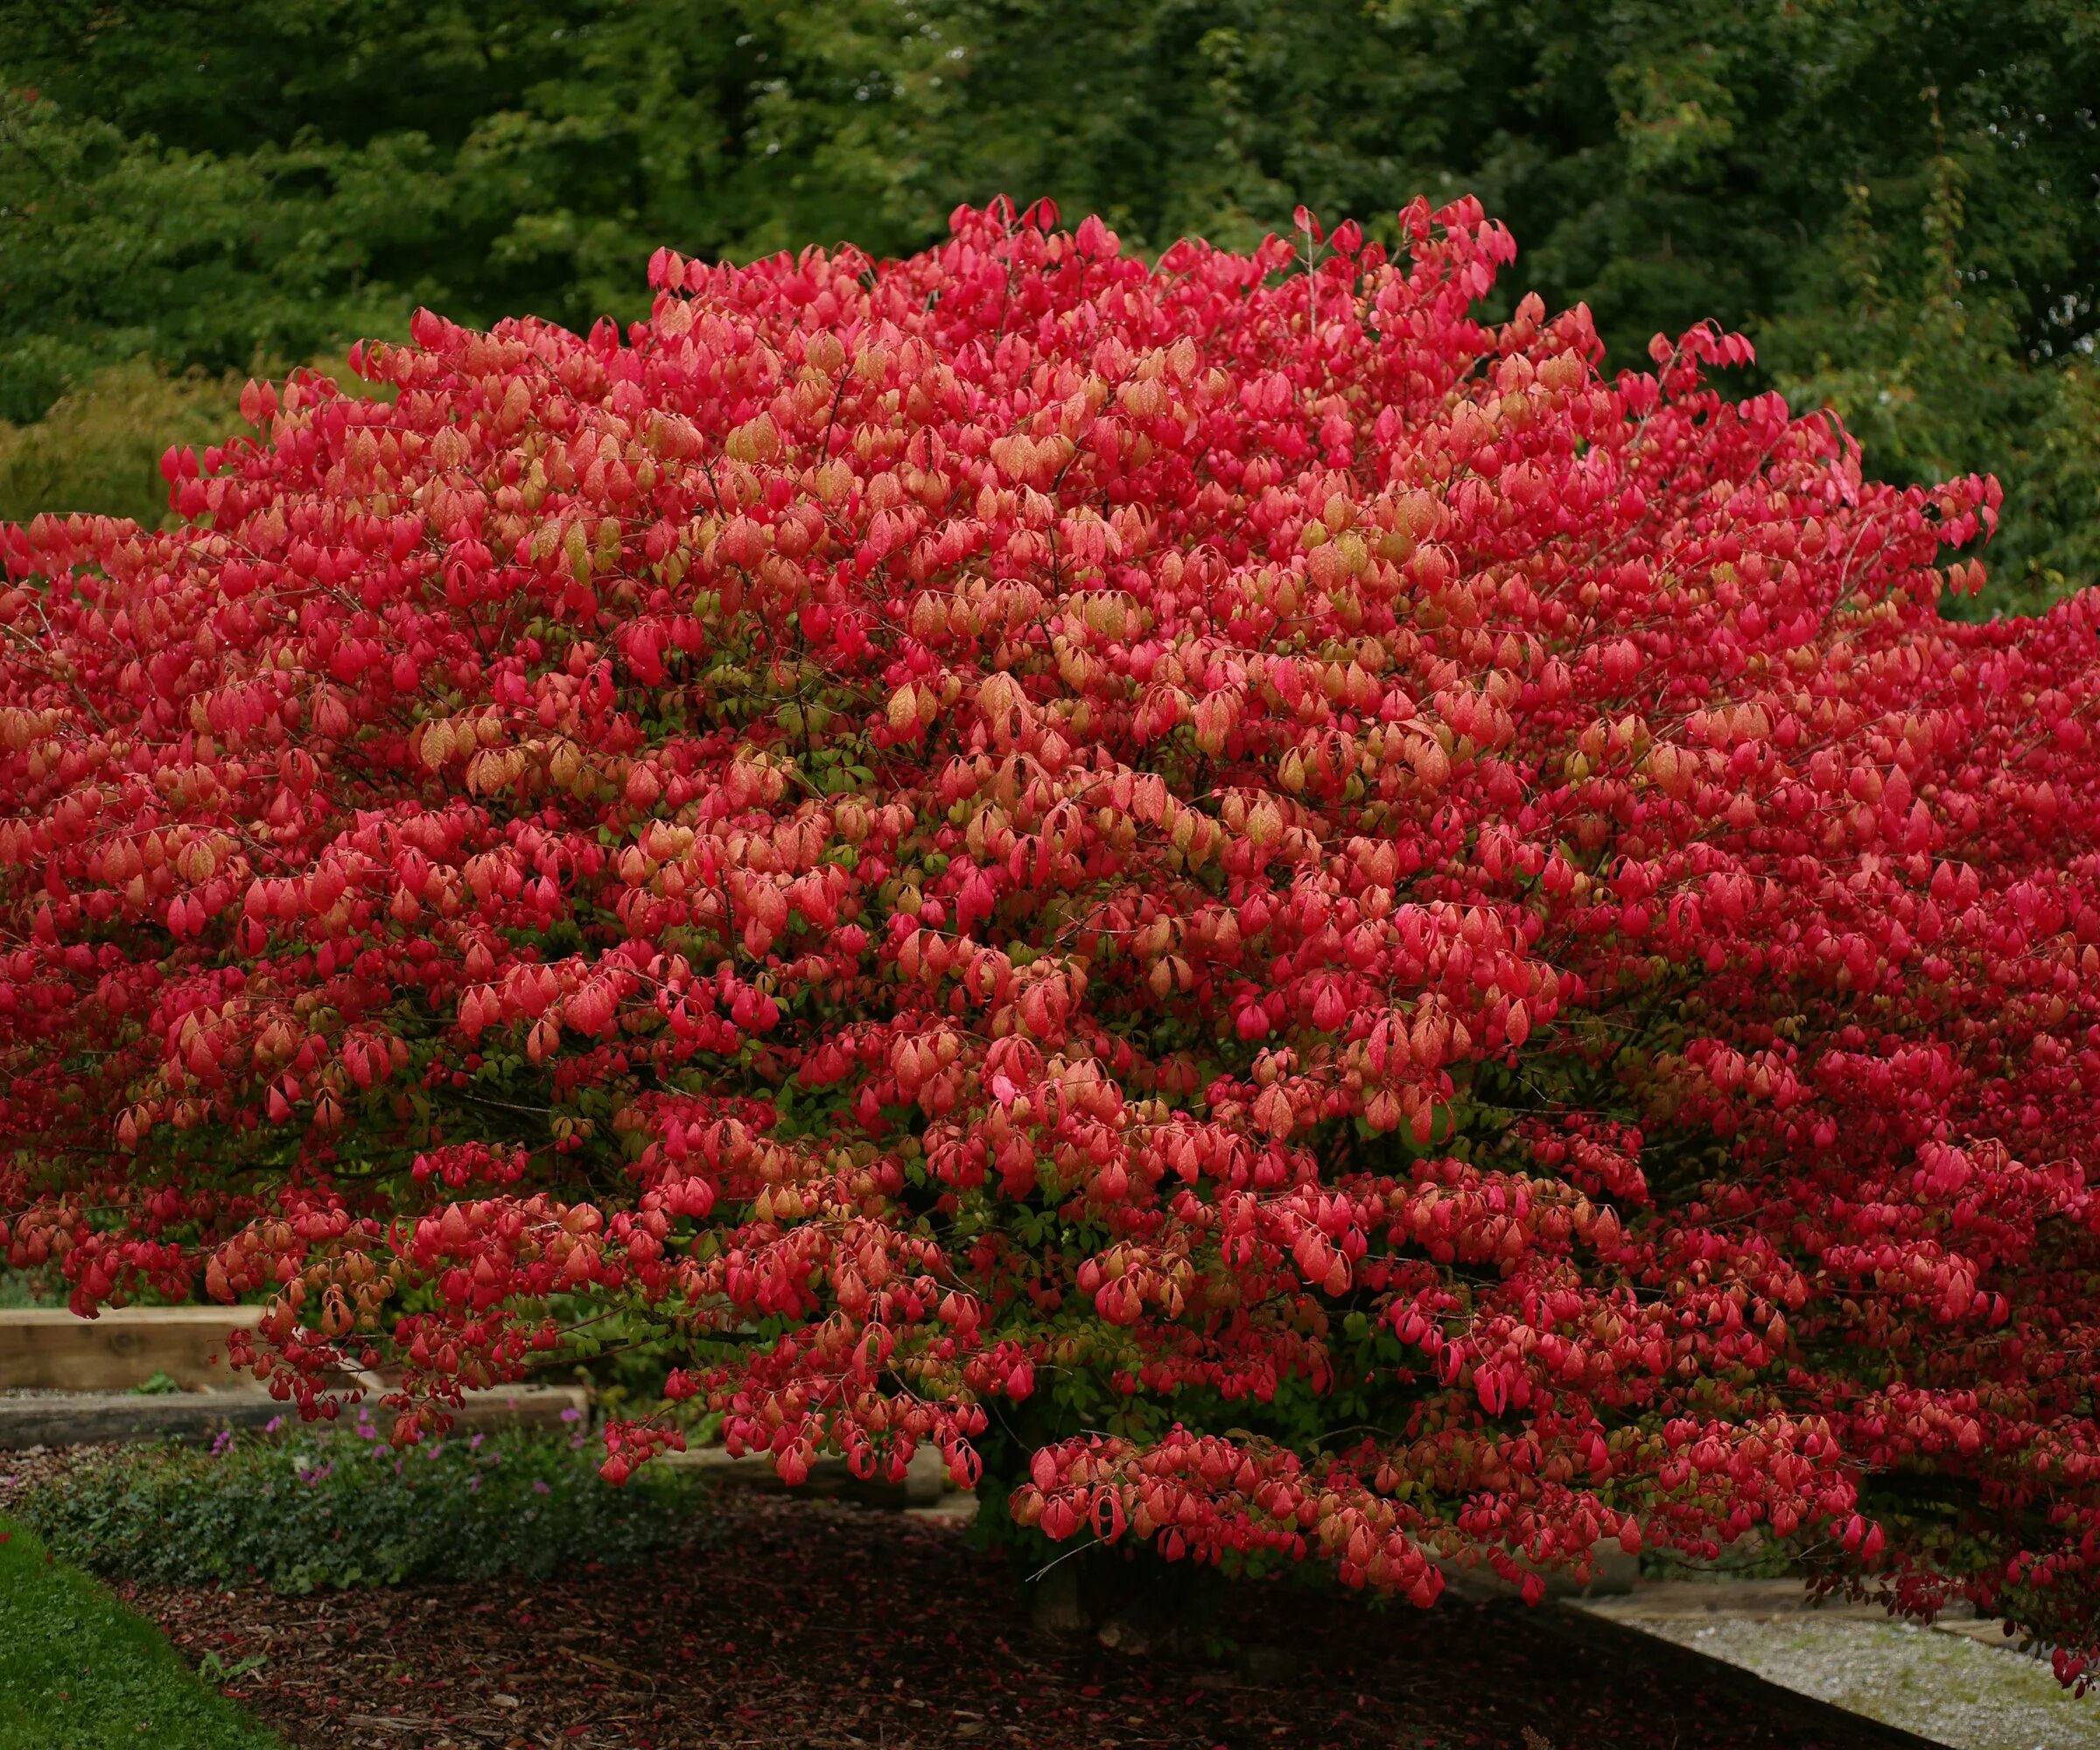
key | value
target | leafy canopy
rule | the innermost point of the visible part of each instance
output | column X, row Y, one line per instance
column 1294, row 924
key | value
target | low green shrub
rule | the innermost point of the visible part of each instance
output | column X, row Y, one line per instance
column 333, row 1507
column 98, row 449
column 41, row 1287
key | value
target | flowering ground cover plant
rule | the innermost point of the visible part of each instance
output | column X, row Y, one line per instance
column 1296, row 927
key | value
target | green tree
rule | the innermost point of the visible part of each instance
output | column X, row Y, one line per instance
column 1895, row 199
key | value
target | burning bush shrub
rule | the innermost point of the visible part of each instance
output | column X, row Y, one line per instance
column 1296, row 925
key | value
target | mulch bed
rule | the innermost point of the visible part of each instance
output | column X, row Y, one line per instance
column 823, row 1624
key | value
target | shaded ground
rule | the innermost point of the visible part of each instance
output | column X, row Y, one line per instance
column 827, row 1624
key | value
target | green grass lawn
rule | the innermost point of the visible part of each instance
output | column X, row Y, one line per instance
column 78, row 1671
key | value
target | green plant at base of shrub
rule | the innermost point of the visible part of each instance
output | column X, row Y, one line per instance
column 155, row 1384
column 341, row 1508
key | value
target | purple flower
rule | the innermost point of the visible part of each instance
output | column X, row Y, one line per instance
column 539, row 1487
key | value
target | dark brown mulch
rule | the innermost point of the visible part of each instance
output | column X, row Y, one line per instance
column 827, row 1624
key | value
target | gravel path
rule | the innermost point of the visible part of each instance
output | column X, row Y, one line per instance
column 1952, row 1684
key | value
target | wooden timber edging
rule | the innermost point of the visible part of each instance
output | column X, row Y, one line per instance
column 49, row 1349
column 81, row 1371
column 925, row 1481
column 81, row 1418
column 1613, row 1572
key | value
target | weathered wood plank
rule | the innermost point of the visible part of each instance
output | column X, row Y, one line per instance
column 80, row 1418
column 73, row 1418
column 925, row 1482
column 48, row 1348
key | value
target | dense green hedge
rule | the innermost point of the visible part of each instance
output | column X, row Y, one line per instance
column 1895, row 197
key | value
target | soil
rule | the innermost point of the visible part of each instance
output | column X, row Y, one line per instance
column 825, row 1624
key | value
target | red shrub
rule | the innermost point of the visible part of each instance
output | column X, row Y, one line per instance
column 1304, row 925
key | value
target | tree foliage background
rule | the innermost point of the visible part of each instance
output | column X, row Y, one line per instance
column 1898, row 200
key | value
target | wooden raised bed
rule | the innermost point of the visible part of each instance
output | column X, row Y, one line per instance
column 79, row 1418
column 81, row 1376
column 47, row 1348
